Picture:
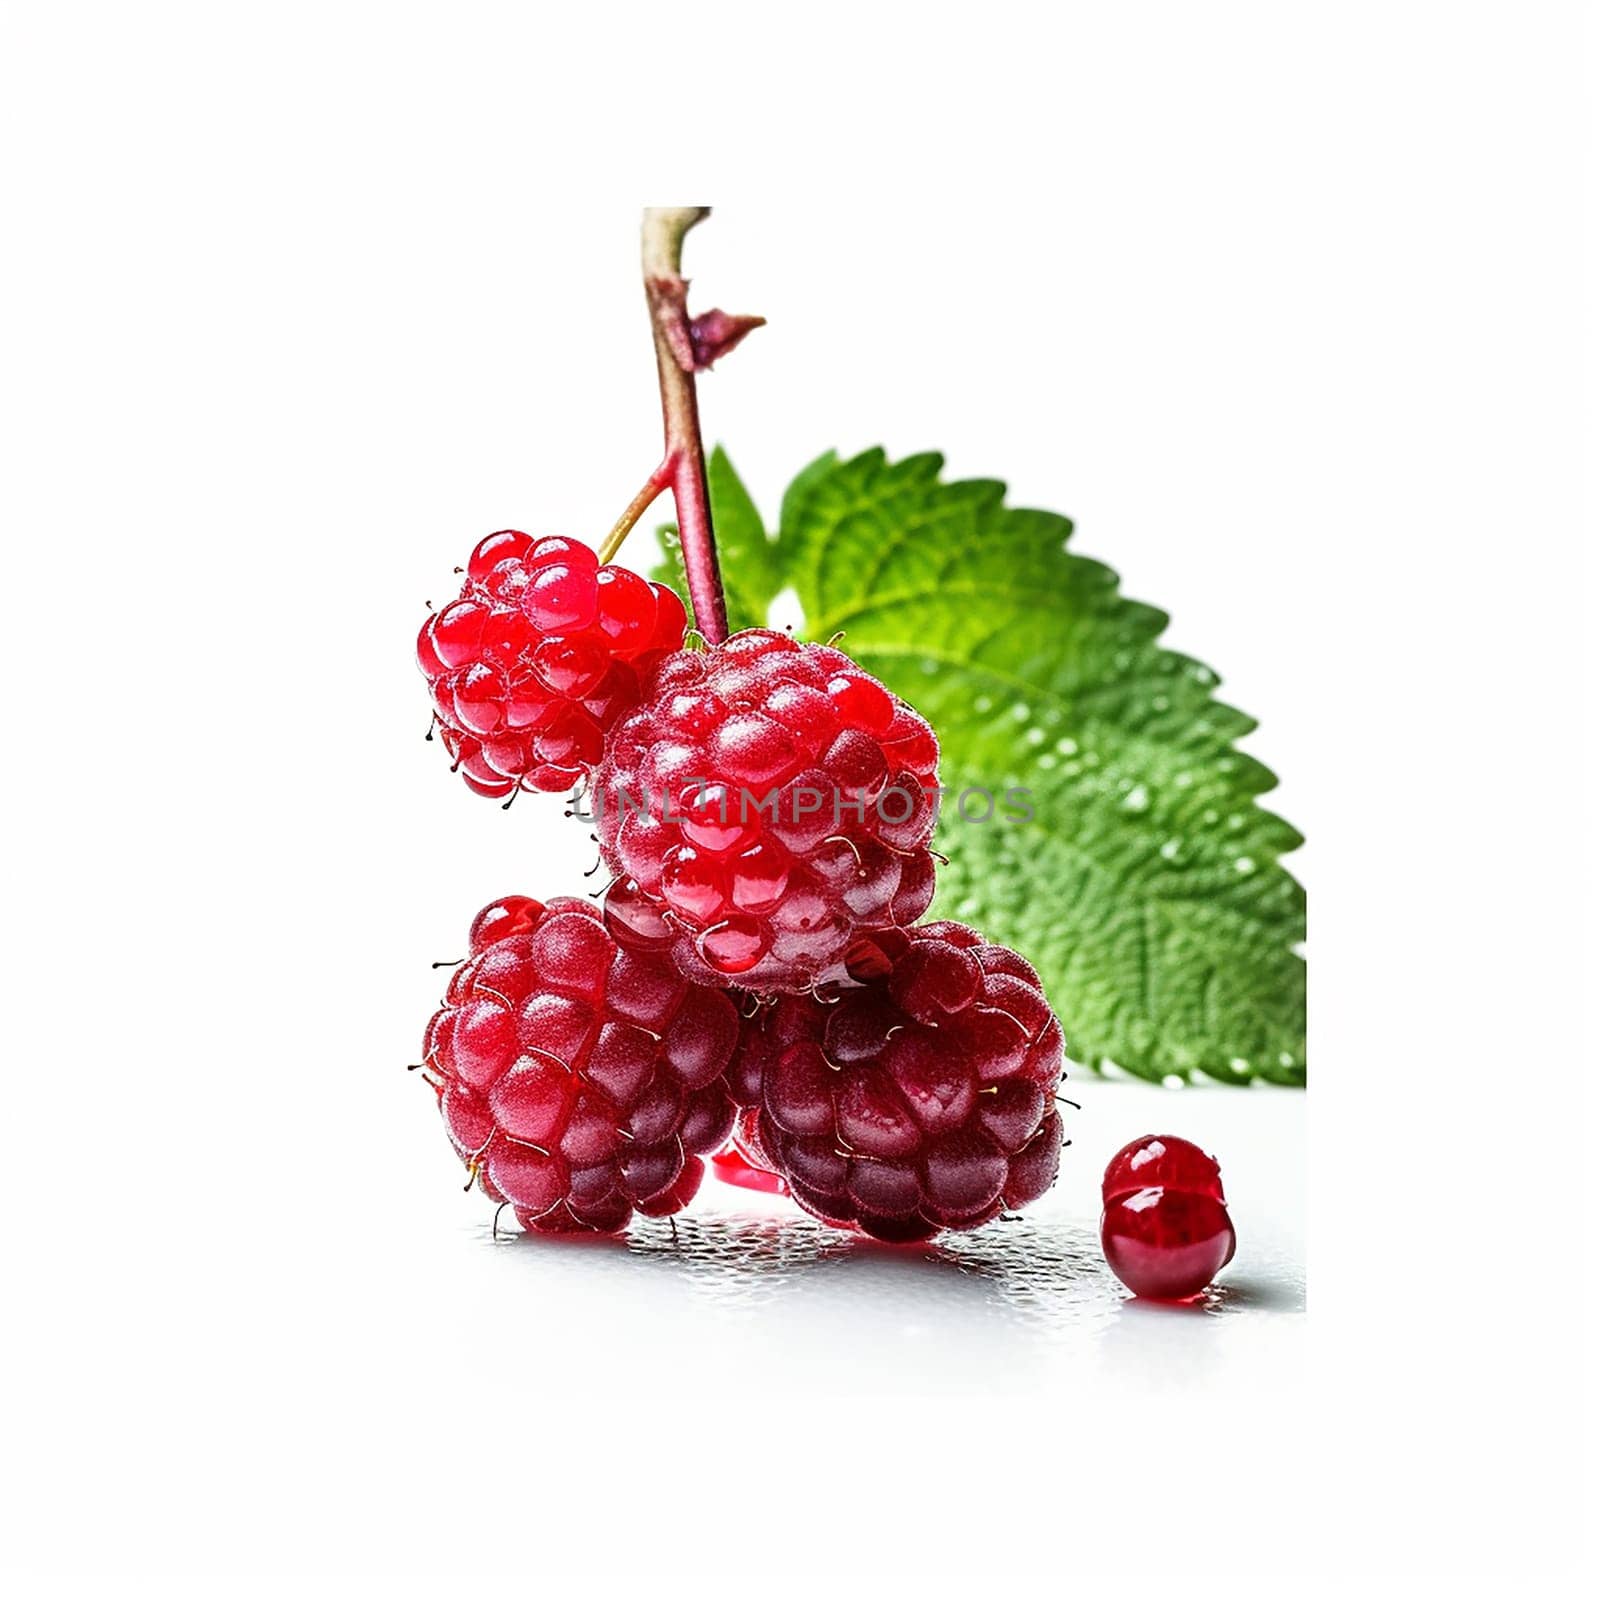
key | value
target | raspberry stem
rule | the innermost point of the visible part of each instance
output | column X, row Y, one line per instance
column 684, row 461
column 641, row 503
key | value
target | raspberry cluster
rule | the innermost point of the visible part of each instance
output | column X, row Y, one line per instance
column 766, row 805
column 920, row 1101
column 579, row 1081
column 542, row 652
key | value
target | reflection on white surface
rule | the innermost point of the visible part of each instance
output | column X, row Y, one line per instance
column 1039, row 1272
column 743, row 1294
column 988, row 1309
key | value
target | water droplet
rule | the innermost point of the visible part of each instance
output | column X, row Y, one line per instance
column 1067, row 747
column 1235, row 822
column 1175, row 1080
column 983, row 703
column 1020, row 712
column 1071, row 768
column 1202, row 674
column 1172, row 849
column 1160, row 703
column 1285, row 1059
column 1047, row 761
column 1244, row 864
column 1240, row 1065
column 1208, row 816
column 1138, row 799
column 1034, row 736
column 1184, row 779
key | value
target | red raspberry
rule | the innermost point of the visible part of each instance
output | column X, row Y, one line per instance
column 1165, row 1230
column 920, row 1101
column 541, row 654
column 766, row 804
column 579, row 1081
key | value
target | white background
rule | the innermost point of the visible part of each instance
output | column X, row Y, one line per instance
column 1280, row 303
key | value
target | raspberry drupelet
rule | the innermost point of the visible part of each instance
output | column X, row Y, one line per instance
column 1165, row 1229
column 921, row 1100
column 766, row 804
column 541, row 653
column 579, row 1081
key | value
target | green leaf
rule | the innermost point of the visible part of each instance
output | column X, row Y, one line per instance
column 1147, row 887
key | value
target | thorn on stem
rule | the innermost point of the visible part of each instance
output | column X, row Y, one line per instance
column 714, row 333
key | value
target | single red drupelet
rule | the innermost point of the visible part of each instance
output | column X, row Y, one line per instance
column 924, row 1099
column 539, row 656
column 1162, row 1161
column 766, row 804
column 1165, row 1229
column 579, row 1081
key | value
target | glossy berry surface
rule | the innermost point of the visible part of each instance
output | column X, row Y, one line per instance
column 1162, row 1161
column 740, row 1161
column 539, row 656
column 765, row 805
column 921, row 1100
column 1165, row 1230
column 579, row 1081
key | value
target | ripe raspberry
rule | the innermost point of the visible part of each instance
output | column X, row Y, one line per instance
column 765, row 805
column 536, row 660
column 578, row 1080
column 920, row 1101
